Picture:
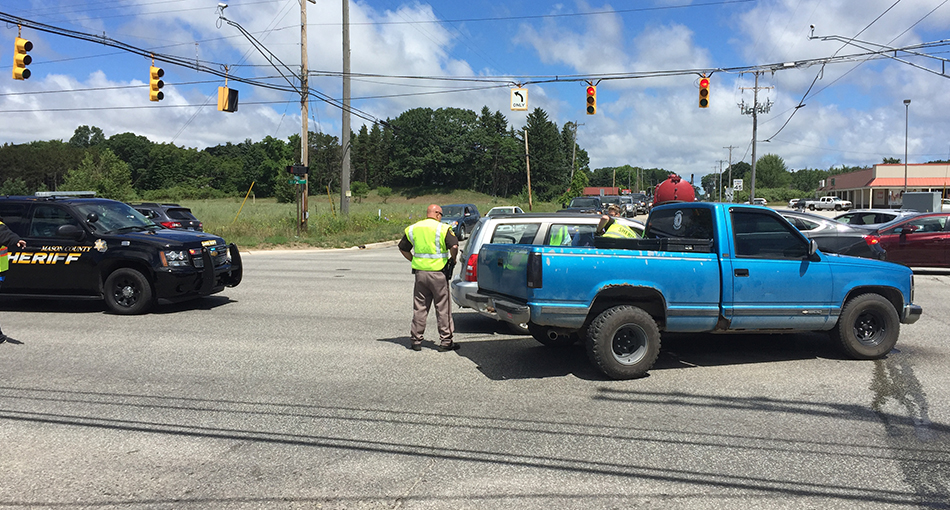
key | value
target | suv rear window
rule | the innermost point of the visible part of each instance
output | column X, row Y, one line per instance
column 181, row 214
column 515, row 233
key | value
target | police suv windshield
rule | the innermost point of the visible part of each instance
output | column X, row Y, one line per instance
column 110, row 216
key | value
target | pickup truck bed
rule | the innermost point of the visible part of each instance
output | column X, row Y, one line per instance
column 734, row 268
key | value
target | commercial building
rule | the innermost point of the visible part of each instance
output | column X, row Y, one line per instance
column 882, row 186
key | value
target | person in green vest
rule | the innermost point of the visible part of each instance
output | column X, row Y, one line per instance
column 609, row 227
column 430, row 246
column 7, row 238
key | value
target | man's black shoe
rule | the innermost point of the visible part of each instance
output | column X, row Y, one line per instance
column 451, row 347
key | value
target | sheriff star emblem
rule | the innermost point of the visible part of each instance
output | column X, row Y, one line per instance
column 101, row 245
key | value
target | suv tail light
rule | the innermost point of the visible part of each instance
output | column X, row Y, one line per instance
column 872, row 239
column 171, row 224
column 471, row 268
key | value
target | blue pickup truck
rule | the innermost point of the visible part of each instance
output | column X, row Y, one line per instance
column 700, row 267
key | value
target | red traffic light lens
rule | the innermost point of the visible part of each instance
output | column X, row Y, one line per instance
column 591, row 91
column 703, row 83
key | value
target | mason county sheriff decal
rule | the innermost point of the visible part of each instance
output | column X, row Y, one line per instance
column 50, row 255
column 101, row 245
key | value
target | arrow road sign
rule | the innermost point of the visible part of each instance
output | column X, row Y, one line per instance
column 519, row 99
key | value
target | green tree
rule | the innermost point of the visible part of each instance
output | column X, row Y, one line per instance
column 770, row 172
column 360, row 190
column 550, row 173
column 892, row 161
column 14, row 187
column 384, row 192
column 104, row 173
column 85, row 137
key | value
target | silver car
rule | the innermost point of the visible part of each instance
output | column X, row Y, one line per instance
column 562, row 229
column 872, row 217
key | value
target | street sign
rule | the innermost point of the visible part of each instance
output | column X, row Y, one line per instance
column 737, row 184
column 519, row 99
column 729, row 195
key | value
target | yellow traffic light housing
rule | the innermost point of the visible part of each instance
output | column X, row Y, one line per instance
column 155, row 84
column 704, row 92
column 227, row 99
column 21, row 59
column 591, row 100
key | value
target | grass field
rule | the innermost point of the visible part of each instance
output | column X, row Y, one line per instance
column 264, row 223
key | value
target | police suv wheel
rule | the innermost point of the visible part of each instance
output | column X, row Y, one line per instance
column 623, row 342
column 868, row 327
column 128, row 292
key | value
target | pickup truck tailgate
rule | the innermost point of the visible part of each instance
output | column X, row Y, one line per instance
column 503, row 269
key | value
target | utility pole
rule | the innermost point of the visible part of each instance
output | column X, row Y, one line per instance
column 754, row 111
column 303, row 210
column 527, row 165
column 574, row 152
column 729, row 182
column 345, row 135
column 720, row 179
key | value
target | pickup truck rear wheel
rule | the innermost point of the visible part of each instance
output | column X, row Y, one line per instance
column 128, row 292
column 623, row 342
column 551, row 337
column 868, row 327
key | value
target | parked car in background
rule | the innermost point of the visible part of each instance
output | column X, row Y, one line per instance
column 608, row 200
column 828, row 203
column 945, row 205
column 921, row 240
column 461, row 217
column 796, row 203
column 758, row 201
column 586, row 205
column 642, row 202
column 505, row 209
column 629, row 208
column 872, row 218
column 836, row 237
column 171, row 216
column 533, row 228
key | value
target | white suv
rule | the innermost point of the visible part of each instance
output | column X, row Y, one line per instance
column 564, row 229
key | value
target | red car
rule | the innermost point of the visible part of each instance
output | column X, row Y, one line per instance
column 922, row 240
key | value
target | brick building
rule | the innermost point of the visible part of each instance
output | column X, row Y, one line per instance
column 882, row 186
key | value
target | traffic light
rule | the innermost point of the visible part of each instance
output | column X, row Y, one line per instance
column 591, row 100
column 704, row 92
column 21, row 59
column 227, row 99
column 155, row 84
column 297, row 170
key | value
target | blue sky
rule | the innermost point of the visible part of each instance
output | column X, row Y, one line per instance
column 853, row 115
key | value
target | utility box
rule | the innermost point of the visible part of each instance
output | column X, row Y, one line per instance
column 922, row 201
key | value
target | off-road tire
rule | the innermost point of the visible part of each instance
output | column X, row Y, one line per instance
column 623, row 342
column 868, row 327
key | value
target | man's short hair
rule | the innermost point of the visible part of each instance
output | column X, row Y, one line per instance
column 613, row 208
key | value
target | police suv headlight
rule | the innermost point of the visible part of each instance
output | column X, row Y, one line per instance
column 176, row 258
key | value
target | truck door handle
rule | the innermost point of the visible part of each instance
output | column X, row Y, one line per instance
column 742, row 272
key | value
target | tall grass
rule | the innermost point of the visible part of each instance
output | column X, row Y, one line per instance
column 264, row 223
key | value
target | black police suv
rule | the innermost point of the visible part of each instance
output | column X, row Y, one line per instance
column 100, row 248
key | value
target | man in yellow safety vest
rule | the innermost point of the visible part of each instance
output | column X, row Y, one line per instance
column 7, row 238
column 608, row 227
column 431, row 245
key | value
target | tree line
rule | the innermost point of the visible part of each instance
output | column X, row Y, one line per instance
column 422, row 148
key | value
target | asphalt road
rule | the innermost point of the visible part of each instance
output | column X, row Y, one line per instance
column 297, row 390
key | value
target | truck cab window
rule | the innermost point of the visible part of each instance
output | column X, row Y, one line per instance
column 766, row 236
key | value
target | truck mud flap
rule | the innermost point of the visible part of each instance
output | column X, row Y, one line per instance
column 237, row 268
column 207, row 273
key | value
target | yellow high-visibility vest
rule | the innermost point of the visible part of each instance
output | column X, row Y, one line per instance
column 428, row 244
column 619, row 231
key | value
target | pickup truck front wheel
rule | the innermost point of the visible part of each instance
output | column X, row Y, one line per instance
column 868, row 327
column 623, row 342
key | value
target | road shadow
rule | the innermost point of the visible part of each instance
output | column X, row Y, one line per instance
column 680, row 350
column 81, row 306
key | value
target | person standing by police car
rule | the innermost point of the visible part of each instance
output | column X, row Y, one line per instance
column 7, row 238
column 431, row 246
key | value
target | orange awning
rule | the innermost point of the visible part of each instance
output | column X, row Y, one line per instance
column 916, row 182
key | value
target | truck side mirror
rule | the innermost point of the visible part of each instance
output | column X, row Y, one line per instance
column 812, row 249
